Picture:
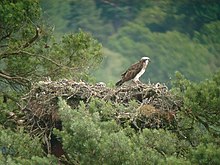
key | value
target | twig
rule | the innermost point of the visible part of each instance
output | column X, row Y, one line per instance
column 6, row 36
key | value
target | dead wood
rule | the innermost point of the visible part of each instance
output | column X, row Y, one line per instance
column 156, row 108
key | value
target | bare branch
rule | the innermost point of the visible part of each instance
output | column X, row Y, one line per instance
column 110, row 3
column 15, row 79
column 50, row 60
column 7, row 54
column 2, row 46
column 27, row 44
column 32, row 39
column 5, row 36
column 44, row 57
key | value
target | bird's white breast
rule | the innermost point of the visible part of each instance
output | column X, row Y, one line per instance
column 136, row 78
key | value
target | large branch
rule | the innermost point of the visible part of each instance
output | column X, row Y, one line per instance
column 7, row 54
column 19, row 51
column 44, row 57
column 15, row 79
column 59, row 65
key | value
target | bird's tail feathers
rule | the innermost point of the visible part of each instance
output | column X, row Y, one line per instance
column 119, row 83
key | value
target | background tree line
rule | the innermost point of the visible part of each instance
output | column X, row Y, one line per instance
column 181, row 36
column 36, row 43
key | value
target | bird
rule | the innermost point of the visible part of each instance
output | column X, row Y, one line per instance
column 134, row 72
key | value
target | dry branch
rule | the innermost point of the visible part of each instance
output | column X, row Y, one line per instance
column 15, row 79
column 156, row 105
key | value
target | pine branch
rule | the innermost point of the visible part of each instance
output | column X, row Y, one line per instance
column 32, row 39
column 5, row 36
column 18, row 52
column 15, row 79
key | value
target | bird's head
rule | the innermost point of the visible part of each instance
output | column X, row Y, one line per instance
column 145, row 59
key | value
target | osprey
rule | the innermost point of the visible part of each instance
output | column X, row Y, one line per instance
column 135, row 71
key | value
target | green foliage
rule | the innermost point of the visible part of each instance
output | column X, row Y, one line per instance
column 75, row 54
column 29, row 52
column 169, row 52
column 162, row 141
column 199, row 122
column 19, row 21
column 209, row 36
column 178, row 36
column 155, row 16
column 14, row 13
column 19, row 144
column 19, row 148
column 117, row 12
column 206, row 154
column 202, row 102
column 173, row 160
column 35, row 160
column 50, row 9
column 196, row 15
column 86, row 18
column 89, row 137
column 111, row 65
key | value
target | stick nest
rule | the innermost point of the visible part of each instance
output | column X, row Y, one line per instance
column 156, row 105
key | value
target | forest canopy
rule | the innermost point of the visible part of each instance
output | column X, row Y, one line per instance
column 177, row 36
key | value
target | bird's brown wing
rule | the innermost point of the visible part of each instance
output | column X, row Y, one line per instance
column 132, row 71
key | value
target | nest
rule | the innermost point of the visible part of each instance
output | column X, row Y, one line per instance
column 156, row 105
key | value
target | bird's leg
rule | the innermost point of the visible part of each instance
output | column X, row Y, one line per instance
column 140, row 83
column 136, row 82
